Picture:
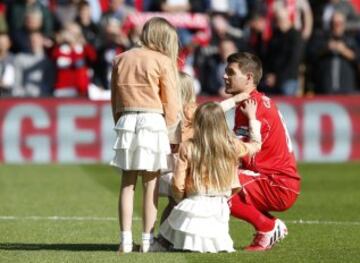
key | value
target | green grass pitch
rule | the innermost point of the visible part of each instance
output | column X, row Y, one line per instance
column 324, row 225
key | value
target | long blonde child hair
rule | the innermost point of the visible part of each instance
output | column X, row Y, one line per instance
column 159, row 35
column 187, row 90
column 213, row 157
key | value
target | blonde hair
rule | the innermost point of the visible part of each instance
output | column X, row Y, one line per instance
column 159, row 35
column 213, row 157
column 187, row 91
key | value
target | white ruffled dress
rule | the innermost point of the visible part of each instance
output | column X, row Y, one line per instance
column 142, row 142
column 199, row 223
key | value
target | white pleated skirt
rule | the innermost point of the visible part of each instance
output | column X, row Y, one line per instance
column 142, row 142
column 199, row 223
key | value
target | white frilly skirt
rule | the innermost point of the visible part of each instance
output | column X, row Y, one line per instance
column 142, row 142
column 199, row 223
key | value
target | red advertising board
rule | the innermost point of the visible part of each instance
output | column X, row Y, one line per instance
column 323, row 129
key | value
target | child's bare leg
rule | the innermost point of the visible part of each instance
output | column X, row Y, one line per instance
column 126, row 199
column 150, row 200
column 126, row 204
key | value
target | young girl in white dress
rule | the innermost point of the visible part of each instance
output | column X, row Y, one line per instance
column 146, row 111
column 189, row 106
column 204, row 179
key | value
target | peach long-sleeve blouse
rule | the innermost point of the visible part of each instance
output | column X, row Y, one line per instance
column 145, row 80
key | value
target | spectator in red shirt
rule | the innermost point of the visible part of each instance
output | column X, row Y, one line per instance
column 269, row 179
column 73, row 58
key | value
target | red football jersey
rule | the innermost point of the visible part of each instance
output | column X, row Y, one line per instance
column 276, row 156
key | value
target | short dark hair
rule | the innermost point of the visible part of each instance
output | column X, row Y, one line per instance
column 248, row 63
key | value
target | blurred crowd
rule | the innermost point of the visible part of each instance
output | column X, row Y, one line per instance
column 65, row 48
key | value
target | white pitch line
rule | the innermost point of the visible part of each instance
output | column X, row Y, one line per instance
column 95, row 218
column 317, row 222
column 60, row 218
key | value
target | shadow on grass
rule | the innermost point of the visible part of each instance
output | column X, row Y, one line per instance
column 59, row 247
column 73, row 247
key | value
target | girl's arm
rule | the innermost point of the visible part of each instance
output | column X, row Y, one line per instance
column 181, row 168
column 252, row 147
column 231, row 102
column 113, row 92
column 169, row 98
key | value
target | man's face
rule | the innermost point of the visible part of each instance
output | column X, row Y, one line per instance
column 235, row 81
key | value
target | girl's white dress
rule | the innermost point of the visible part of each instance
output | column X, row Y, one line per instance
column 199, row 223
column 142, row 142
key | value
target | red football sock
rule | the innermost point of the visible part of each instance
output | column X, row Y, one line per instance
column 249, row 213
